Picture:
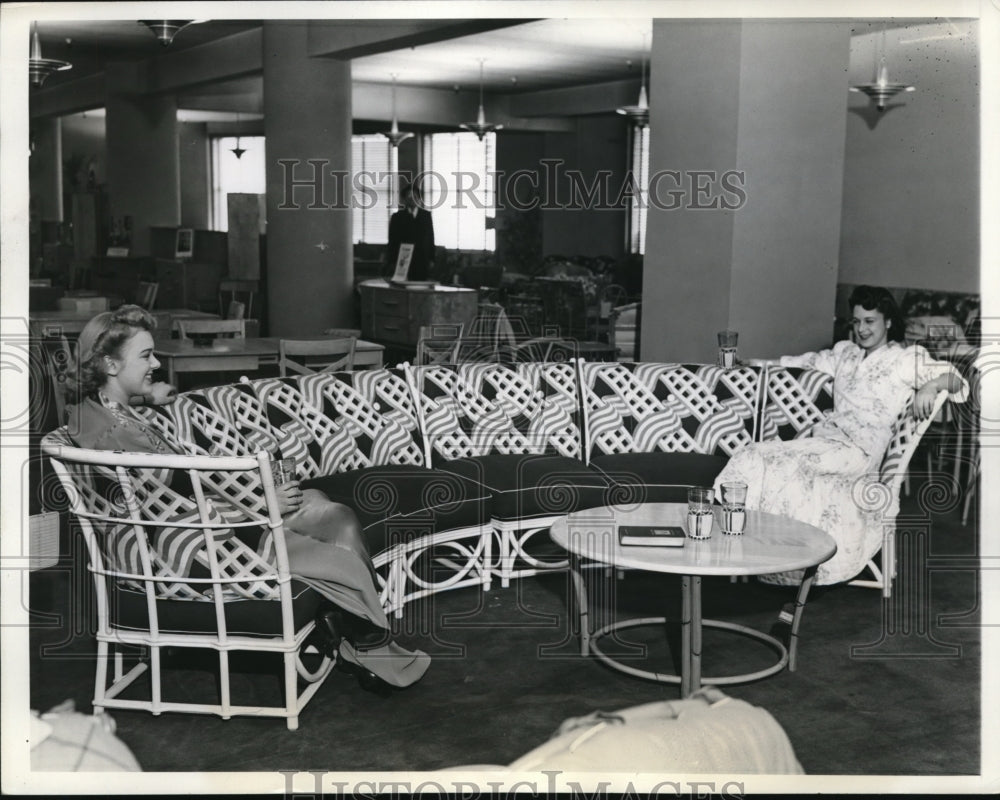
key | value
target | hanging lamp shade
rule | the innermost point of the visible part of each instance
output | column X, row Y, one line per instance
column 166, row 29
column 639, row 113
column 237, row 151
column 40, row 68
column 395, row 135
column 481, row 127
column 882, row 89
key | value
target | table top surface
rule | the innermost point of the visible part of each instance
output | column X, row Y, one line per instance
column 85, row 316
column 770, row 543
column 249, row 346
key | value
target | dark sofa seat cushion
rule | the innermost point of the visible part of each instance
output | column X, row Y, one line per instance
column 414, row 499
column 533, row 485
column 244, row 617
column 657, row 477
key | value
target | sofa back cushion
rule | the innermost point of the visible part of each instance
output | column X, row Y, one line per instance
column 795, row 400
column 678, row 408
column 336, row 422
column 482, row 408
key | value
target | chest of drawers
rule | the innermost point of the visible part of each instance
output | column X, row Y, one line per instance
column 394, row 314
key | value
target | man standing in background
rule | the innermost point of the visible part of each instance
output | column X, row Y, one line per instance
column 412, row 224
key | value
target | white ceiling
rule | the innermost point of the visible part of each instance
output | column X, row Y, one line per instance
column 542, row 54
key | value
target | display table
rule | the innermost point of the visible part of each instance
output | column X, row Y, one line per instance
column 185, row 355
column 770, row 544
column 393, row 314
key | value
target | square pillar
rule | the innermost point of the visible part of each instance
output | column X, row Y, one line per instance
column 747, row 123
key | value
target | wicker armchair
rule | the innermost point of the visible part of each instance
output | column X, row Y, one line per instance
column 174, row 572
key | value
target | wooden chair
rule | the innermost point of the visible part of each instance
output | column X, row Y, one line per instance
column 599, row 312
column 231, row 328
column 315, row 355
column 236, row 310
column 146, row 295
column 623, row 331
column 169, row 571
column 439, row 344
column 491, row 336
column 242, row 290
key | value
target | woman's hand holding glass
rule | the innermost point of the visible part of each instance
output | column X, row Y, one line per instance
column 289, row 497
column 924, row 399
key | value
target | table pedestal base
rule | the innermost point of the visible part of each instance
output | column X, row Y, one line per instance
column 691, row 679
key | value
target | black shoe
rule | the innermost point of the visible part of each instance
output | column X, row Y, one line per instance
column 367, row 679
column 326, row 636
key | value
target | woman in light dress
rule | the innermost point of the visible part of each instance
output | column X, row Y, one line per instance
column 813, row 479
column 326, row 549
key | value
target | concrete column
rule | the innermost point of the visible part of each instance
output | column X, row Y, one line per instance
column 747, row 124
column 307, row 118
column 143, row 171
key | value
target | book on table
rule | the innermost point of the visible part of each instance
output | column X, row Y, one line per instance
column 651, row 535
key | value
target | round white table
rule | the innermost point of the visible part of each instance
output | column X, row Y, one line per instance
column 771, row 543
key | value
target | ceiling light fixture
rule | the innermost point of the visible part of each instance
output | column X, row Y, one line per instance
column 395, row 135
column 481, row 127
column 237, row 151
column 166, row 29
column 881, row 91
column 639, row 113
column 40, row 68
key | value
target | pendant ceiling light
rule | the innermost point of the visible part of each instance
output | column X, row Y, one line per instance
column 480, row 127
column 237, row 151
column 882, row 90
column 166, row 29
column 40, row 68
column 639, row 113
column 395, row 135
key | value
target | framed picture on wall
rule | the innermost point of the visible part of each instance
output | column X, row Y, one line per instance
column 184, row 247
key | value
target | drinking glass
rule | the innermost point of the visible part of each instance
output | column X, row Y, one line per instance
column 727, row 348
column 283, row 470
column 699, row 519
column 734, row 508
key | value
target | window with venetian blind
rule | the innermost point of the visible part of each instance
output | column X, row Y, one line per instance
column 373, row 160
column 639, row 164
column 459, row 189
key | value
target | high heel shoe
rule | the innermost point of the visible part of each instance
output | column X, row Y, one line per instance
column 367, row 679
column 326, row 636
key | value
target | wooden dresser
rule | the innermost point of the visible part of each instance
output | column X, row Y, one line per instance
column 392, row 314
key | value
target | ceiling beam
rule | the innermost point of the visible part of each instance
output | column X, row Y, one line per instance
column 595, row 98
column 345, row 40
column 83, row 94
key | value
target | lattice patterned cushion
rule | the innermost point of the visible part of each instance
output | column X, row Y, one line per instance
column 642, row 408
column 796, row 400
column 330, row 426
column 481, row 408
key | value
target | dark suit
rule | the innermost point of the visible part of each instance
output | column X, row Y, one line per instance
column 418, row 231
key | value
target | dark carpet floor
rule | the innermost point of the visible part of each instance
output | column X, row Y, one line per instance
column 507, row 671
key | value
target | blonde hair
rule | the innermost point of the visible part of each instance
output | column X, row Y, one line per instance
column 103, row 336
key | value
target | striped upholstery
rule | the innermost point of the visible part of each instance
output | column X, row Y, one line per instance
column 679, row 408
column 145, row 497
column 476, row 409
column 337, row 422
column 796, row 400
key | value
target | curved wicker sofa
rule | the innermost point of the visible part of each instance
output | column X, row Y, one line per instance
column 453, row 470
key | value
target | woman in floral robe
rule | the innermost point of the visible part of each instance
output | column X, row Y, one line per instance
column 813, row 479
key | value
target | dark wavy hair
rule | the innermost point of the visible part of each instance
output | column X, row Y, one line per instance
column 875, row 298
column 103, row 336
